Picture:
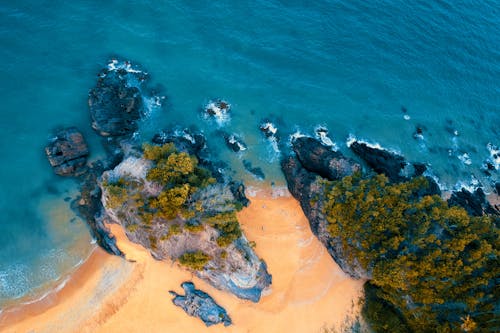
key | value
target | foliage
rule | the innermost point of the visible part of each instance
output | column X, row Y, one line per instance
column 227, row 225
column 117, row 194
column 156, row 153
column 195, row 260
column 421, row 252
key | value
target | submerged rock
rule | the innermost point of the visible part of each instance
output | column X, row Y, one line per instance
column 256, row 171
column 197, row 303
column 320, row 159
column 116, row 105
column 474, row 203
column 67, row 152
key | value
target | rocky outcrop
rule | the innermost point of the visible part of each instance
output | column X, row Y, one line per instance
column 89, row 206
column 232, row 266
column 381, row 160
column 394, row 166
column 318, row 158
column 115, row 104
column 307, row 187
column 234, row 142
column 67, row 152
column 474, row 203
column 199, row 304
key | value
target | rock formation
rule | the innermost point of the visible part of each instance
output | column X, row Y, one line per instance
column 199, row 304
column 67, row 152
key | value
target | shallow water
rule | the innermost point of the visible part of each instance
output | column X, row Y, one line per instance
column 348, row 65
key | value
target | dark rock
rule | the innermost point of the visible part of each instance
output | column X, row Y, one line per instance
column 67, row 152
column 256, row 171
column 474, row 203
column 380, row 160
column 320, row 159
column 234, row 142
column 269, row 129
column 185, row 140
column 419, row 168
column 497, row 188
column 308, row 189
column 197, row 303
column 89, row 207
column 115, row 106
column 238, row 190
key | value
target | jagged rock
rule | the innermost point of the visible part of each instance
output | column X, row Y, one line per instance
column 185, row 140
column 394, row 166
column 89, row 206
column 197, row 303
column 474, row 203
column 320, row 159
column 238, row 190
column 234, row 142
column 381, row 160
column 67, row 152
column 497, row 188
column 307, row 188
column 269, row 129
column 233, row 267
column 256, row 171
column 115, row 106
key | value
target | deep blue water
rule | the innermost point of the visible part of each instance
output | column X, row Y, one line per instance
column 349, row 65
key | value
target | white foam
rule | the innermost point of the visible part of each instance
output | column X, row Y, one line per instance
column 115, row 65
column 406, row 117
column 322, row 134
column 269, row 127
column 232, row 140
column 470, row 186
column 220, row 114
column 465, row 159
column 494, row 155
column 351, row 139
column 296, row 135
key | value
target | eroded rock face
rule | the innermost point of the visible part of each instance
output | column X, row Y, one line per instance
column 115, row 105
column 67, row 152
column 233, row 267
column 308, row 189
column 381, row 161
column 474, row 203
column 320, row 159
column 199, row 304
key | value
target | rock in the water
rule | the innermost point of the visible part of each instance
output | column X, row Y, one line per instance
column 381, row 160
column 320, row 159
column 185, row 140
column 217, row 109
column 199, row 304
column 269, row 129
column 474, row 203
column 234, row 142
column 256, row 171
column 67, row 152
column 115, row 105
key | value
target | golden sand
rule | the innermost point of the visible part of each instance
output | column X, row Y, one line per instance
column 109, row 294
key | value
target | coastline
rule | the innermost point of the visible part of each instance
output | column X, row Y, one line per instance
column 309, row 290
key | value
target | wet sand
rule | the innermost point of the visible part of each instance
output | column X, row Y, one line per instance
column 109, row 294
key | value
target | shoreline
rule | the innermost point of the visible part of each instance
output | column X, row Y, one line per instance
column 308, row 287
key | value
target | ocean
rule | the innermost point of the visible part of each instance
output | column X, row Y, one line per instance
column 420, row 78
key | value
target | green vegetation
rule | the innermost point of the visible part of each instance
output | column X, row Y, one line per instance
column 175, row 178
column 422, row 253
column 194, row 260
column 228, row 226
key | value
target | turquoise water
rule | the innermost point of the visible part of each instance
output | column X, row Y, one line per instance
column 348, row 65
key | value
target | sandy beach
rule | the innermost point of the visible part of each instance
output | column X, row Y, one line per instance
column 109, row 294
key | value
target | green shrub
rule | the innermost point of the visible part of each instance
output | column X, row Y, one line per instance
column 194, row 260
